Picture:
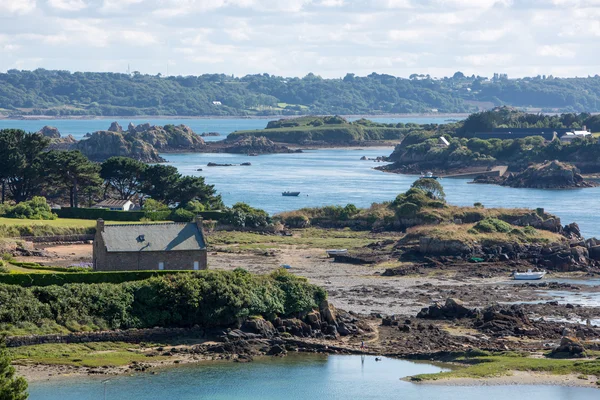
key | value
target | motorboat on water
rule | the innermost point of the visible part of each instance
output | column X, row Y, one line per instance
column 294, row 194
column 336, row 252
column 530, row 275
column 430, row 176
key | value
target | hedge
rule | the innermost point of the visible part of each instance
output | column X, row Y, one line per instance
column 33, row 279
column 130, row 216
column 97, row 213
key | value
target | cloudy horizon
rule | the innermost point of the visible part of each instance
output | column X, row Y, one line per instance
column 292, row 38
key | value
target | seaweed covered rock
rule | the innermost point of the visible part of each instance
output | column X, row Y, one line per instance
column 569, row 348
column 550, row 175
column 452, row 309
column 505, row 321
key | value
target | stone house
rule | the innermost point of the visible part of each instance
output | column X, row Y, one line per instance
column 163, row 246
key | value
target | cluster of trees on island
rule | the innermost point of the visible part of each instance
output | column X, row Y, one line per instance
column 421, row 149
column 45, row 92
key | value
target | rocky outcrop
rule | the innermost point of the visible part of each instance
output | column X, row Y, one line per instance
column 452, row 309
column 550, row 175
column 505, row 321
column 251, row 145
column 142, row 142
column 569, row 348
column 435, row 246
column 49, row 132
column 104, row 144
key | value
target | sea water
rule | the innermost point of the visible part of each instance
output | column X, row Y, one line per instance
column 297, row 377
column 332, row 176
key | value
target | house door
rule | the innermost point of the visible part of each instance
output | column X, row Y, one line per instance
column 161, row 265
column 196, row 265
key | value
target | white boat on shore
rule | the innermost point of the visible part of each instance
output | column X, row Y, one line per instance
column 529, row 275
column 336, row 252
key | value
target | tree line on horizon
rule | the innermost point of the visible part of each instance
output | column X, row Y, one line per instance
column 62, row 93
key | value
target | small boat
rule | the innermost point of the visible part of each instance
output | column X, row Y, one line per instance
column 286, row 266
column 336, row 252
column 429, row 175
column 290, row 193
column 530, row 275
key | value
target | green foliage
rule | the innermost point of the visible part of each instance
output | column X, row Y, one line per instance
column 11, row 386
column 43, row 279
column 206, row 298
column 36, row 208
column 152, row 205
column 124, row 175
column 182, row 215
column 490, row 225
column 242, row 215
column 48, row 92
column 407, row 210
column 430, row 186
column 96, row 213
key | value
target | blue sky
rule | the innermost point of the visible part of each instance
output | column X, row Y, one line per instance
column 294, row 37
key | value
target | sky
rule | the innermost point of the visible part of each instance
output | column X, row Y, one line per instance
column 294, row 37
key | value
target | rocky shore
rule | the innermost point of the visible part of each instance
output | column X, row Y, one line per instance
column 550, row 175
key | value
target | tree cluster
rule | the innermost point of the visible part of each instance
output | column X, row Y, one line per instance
column 90, row 93
column 27, row 170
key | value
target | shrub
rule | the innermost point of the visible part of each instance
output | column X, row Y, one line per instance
column 36, row 208
column 296, row 220
column 490, row 225
column 205, row 298
column 478, row 205
column 182, row 215
column 242, row 215
column 407, row 210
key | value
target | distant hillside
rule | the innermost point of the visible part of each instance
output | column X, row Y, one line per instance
column 88, row 93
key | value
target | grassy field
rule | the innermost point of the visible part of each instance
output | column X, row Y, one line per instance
column 83, row 355
column 311, row 237
column 487, row 366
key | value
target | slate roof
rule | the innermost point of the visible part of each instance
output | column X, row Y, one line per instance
column 112, row 203
column 153, row 237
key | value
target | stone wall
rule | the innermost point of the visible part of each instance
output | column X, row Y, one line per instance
column 129, row 336
column 146, row 260
column 58, row 238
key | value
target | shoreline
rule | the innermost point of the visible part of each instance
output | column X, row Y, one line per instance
column 272, row 117
column 517, row 378
column 57, row 373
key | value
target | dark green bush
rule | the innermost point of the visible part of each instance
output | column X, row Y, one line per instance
column 36, row 208
column 205, row 298
column 490, row 225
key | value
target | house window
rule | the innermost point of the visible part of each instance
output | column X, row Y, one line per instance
column 196, row 265
column 161, row 265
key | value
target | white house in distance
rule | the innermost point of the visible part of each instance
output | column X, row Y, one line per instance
column 569, row 136
column 115, row 205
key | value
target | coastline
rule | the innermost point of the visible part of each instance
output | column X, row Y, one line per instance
column 271, row 117
column 517, row 378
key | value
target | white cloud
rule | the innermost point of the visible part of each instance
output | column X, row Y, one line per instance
column 17, row 6
column 294, row 37
column 67, row 5
column 555, row 51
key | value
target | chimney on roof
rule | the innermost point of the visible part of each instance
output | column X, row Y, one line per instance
column 199, row 223
column 100, row 225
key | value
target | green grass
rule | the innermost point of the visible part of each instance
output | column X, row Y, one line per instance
column 111, row 354
column 500, row 365
column 311, row 237
column 15, row 227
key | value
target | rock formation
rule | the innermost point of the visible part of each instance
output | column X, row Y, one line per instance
column 251, row 145
column 50, row 132
column 549, row 175
column 142, row 142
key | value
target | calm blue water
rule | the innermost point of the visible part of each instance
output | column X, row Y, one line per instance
column 79, row 127
column 334, row 176
column 298, row 377
column 337, row 176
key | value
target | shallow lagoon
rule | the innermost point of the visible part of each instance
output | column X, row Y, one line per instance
column 294, row 377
